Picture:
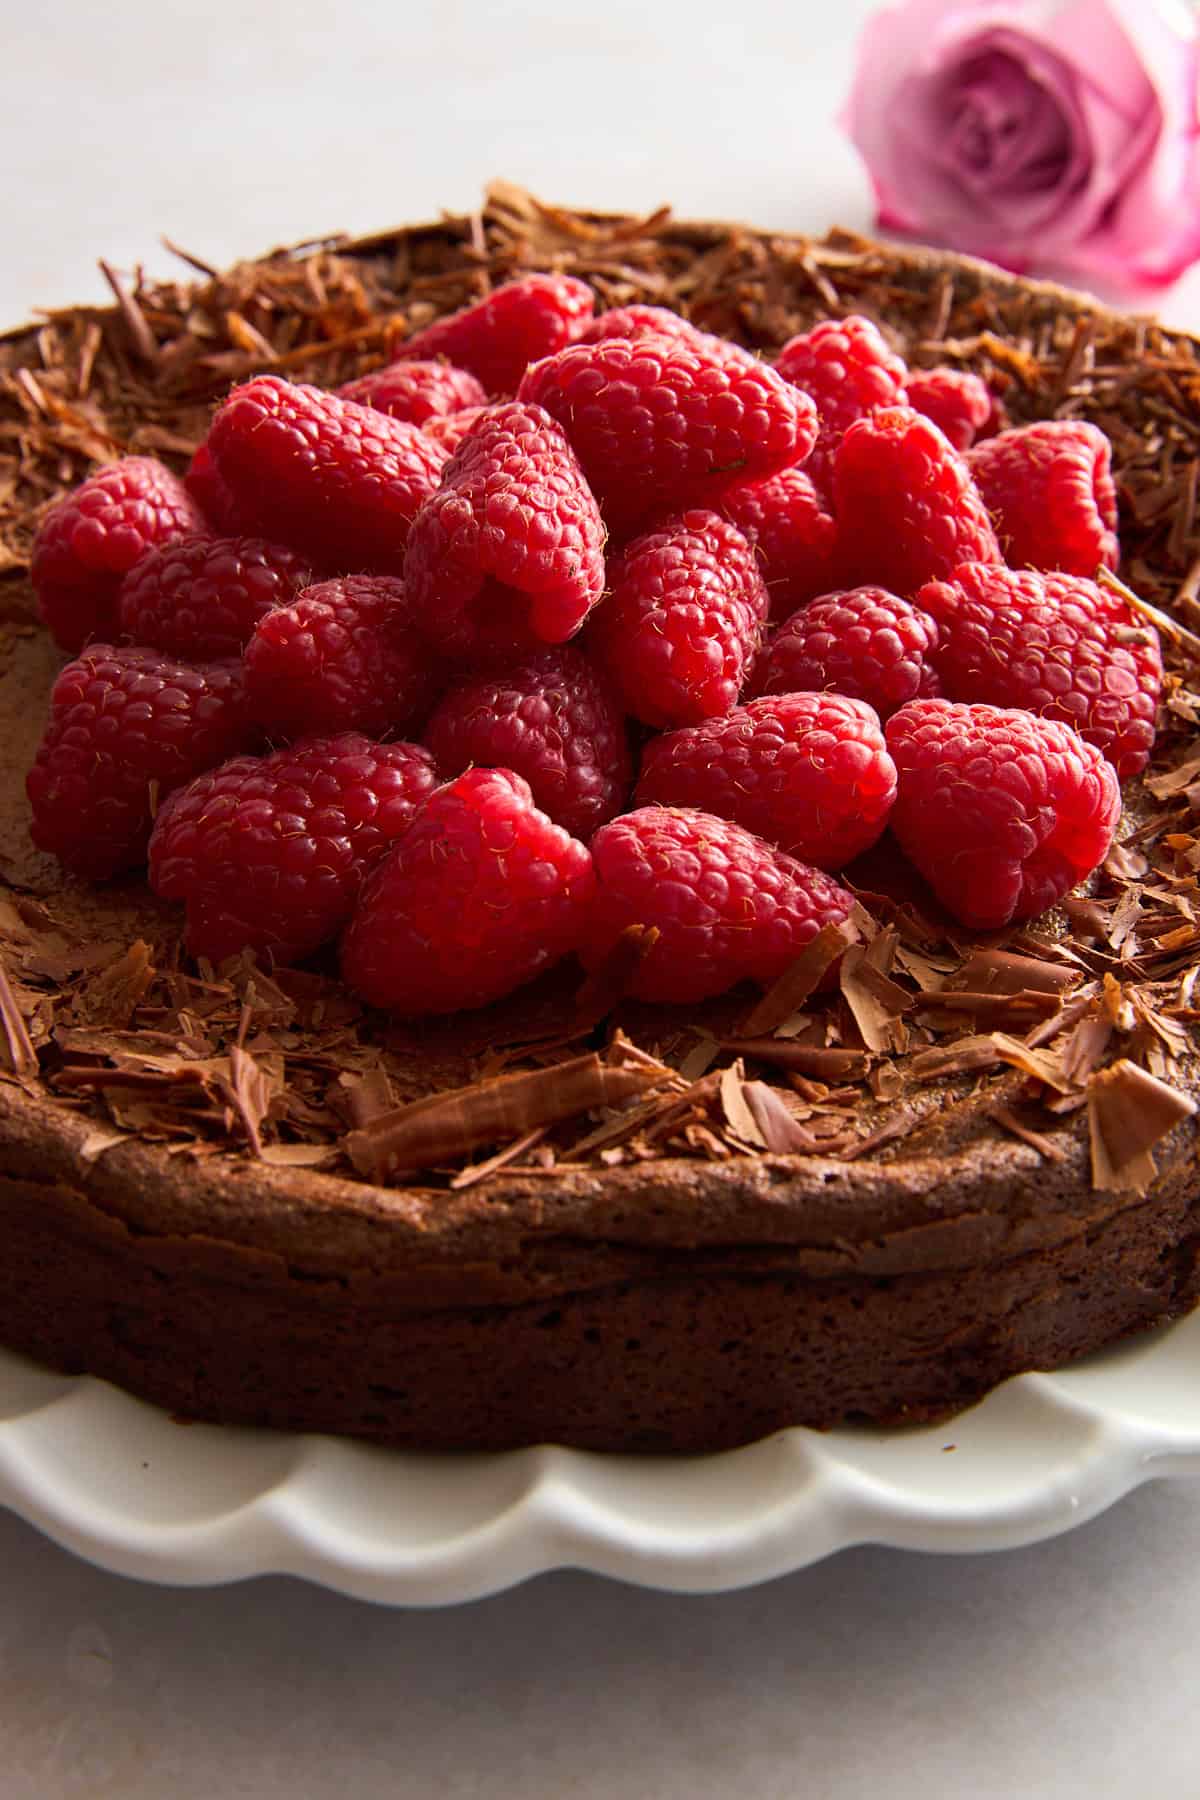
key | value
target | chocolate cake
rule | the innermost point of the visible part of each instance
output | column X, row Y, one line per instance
column 239, row 1194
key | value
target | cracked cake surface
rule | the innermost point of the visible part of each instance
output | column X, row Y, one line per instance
column 572, row 1216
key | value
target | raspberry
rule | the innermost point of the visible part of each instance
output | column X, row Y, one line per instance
column 1000, row 811
column 211, row 493
column 1049, row 488
column 793, row 533
column 809, row 772
column 866, row 643
column 959, row 403
column 637, row 322
column 1057, row 645
column 449, row 429
column 269, row 852
column 95, row 535
column 684, row 620
column 344, row 656
column 660, row 423
column 848, row 368
column 481, row 893
column 340, row 481
column 726, row 906
column 553, row 721
column 509, row 552
column 499, row 336
column 125, row 726
column 200, row 598
column 907, row 509
column 416, row 391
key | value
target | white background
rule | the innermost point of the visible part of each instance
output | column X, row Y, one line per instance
column 1066, row 1670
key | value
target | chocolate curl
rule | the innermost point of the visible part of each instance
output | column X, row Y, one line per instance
column 1129, row 1110
column 798, row 981
column 441, row 1128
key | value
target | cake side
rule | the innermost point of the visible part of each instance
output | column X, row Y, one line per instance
column 198, row 1182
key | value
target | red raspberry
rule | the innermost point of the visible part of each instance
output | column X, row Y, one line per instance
column 1057, row 645
column 866, row 643
column 637, row 322
column 200, row 598
column 907, row 509
column 793, row 532
column 848, row 368
column 125, row 727
column 1000, row 811
column 211, row 493
column 416, row 391
column 727, row 907
column 660, row 423
column 341, row 481
column 809, row 772
column 553, row 721
column 482, row 892
column 959, row 403
column 683, row 622
column 499, row 336
column 508, row 554
column 269, row 852
column 1049, row 488
column 95, row 535
column 345, row 656
column 449, row 429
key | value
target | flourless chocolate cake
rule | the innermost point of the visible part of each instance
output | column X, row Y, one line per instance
column 573, row 1217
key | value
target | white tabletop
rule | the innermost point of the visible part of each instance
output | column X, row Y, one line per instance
column 1065, row 1670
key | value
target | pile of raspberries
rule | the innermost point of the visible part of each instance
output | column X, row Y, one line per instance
column 561, row 624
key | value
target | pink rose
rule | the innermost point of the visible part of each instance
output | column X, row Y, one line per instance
column 1055, row 132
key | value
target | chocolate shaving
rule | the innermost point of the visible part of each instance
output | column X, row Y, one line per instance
column 805, row 1059
column 875, row 1001
column 1037, row 1140
column 193, row 261
column 778, row 1128
column 115, row 991
column 477, row 1172
column 98, row 1140
column 898, row 1126
column 1000, row 972
column 886, row 1081
column 1124, row 864
column 993, row 1009
column 1087, row 916
column 1043, row 1065
column 300, row 1156
column 142, row 338
column 442, row 1127
column 147, row 1079
column 962, row 1058
column 701, row 1057
column 250, row 1091
column 1185, row 641
column 736, row 1107
column 1084, row 1050
column 21, row 1055
column 802, row 978
column 370, row 1095
column 930, row 973
column 1129, row 1111
column 1177, row 780
column 652, row 1117
column 614, row 979
column 1124, row 919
